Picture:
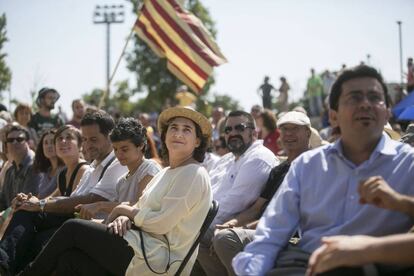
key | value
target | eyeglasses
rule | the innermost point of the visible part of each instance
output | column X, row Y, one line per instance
column 372, row 97
column 239, row 128
column 17, row 139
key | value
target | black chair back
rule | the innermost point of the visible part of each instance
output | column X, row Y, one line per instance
column 206, row 224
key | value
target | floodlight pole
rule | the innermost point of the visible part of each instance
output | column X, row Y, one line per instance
column 108, row 14
column 401, row 54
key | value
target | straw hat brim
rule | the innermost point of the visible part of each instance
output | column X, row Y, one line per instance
column 188, row 113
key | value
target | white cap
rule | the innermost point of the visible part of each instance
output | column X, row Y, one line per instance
column 294, row 117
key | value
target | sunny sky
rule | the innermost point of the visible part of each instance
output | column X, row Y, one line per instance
column 55, row 43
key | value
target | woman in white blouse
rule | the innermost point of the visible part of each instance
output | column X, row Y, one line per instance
column 169, row 213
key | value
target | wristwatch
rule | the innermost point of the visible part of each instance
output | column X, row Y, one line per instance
column 42, row 204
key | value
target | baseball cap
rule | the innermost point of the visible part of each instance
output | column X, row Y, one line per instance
column 294, row 117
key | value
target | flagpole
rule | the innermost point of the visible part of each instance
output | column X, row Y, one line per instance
column 105, row 94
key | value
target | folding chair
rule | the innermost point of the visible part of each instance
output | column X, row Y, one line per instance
column 207, row 221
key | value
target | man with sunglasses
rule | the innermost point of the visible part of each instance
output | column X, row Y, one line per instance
column 238, row 177
column 323, row 191
column 20, row 177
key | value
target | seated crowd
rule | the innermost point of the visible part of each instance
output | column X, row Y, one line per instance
column 93, row 197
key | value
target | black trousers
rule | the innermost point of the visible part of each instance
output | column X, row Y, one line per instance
column 82, row 247
column 25, row 236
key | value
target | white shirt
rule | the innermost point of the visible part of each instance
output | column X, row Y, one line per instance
column 210, row 160
column 127, row 187
column 106, row 187
column 237, row 184
column 174, row 203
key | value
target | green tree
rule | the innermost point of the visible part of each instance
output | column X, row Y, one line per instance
column 152, row 74
column 119, row 104
column 225, row 101
column 5, row 73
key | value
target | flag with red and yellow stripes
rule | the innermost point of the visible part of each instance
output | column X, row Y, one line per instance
column 174, row 33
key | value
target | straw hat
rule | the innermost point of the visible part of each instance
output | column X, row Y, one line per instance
column 188, row 113
column 391, row 133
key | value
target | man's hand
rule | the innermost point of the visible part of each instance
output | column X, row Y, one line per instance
column 31, row 204
column 338, row 251
column 375, row 190
column 229, row 224
column 88, row 211
column 120, row 226
column 18, row 201
column 122, row 210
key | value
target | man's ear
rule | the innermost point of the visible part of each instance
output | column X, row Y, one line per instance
column 389, row 113
column 333, row 118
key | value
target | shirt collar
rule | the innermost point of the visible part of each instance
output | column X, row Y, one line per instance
column 384, row 147
column 252, row 147
column 26, row 161
column 105, row 161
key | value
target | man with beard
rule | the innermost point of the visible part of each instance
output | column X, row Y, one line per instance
column 43, row 119
column 325, row 190
column 233, row 235
column 238, row 177
column 36, row 220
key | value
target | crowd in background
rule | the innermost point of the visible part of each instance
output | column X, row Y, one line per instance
column 54, row 164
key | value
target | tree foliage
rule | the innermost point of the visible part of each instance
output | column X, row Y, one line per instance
column 5, row 73
column 151, row 72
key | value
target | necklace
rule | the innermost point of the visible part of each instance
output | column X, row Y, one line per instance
column 131, row 172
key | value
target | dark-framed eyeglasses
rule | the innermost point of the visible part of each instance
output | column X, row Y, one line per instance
column 239, row 128
column 16, row 139
column 358, row 97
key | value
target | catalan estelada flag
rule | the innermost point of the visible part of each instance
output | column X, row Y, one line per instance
column 174, row 33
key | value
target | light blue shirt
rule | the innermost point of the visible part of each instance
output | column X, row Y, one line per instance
column 320, row 197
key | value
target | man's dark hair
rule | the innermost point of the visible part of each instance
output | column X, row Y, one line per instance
column 17, row 127
column 101, row 118
column 360, row 71
column 237, row 113
column 199, row 152
column 129, row 129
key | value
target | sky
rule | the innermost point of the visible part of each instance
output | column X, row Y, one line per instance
column 55, row 43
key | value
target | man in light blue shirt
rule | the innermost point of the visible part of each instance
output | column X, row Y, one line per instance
column 319, row 195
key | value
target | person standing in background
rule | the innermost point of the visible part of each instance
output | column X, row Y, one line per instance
column 43, row 119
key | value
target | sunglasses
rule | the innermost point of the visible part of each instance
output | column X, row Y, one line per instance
column 17, row 139
column 239, row 128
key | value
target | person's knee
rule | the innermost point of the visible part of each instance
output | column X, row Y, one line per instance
column 223, row 240
column 72, row 225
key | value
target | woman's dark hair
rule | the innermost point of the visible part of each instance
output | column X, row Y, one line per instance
column 199, row 152
column 73, row 129
column 360, row 71
column 41, row 163
column 130, row 129
column 99, row 117
column 151, row 150
column 269, row 120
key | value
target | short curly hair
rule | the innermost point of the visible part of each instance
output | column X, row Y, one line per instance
column 130, row 129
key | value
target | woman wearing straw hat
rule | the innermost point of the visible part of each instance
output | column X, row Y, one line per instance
column 169, row 214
